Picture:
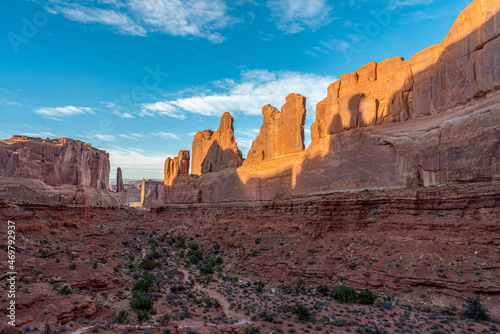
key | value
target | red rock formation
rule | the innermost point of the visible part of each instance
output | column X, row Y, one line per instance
column 58, row 170
column 282, row 132
column 177, row 181
column 151, row 193
column 119, row 181
column 214, row 151
column 431, row 120
column 464, row 66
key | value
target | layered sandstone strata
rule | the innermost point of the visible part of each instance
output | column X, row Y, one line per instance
column 430, row 120
column 214, row 151
column 55, row 171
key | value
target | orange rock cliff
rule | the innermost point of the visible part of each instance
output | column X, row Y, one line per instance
column 429, row 120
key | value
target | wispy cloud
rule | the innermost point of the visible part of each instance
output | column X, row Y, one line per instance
column 244, row 138
column 104, row 137
column 198, row 18
column 404, row 3
column 123, row 114
column 133, row 136
column 255, row 89
column 58, row 112
column 293, row 16
column 136, row 163
column 166, row 135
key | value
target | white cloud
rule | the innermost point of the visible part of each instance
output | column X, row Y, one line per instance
column 256, row 89
column 293, row 16
column 58, row 112
column 403, row 3
column 42, row 134
column 104, row 137
column 244, row 138
column 138, row 164
column 123, row 115
column 199, row 18
column 166, row 135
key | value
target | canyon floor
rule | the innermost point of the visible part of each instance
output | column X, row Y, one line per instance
column 261, row 267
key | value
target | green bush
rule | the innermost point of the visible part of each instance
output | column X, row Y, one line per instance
column 260, row 286
column 72, row 266
column 146, row 284
column 266, row 316
column 65, row 291
column 323, row 290
column 149, row 264
column 122, row 317
column 301, row 311
column 252, row 330
column 142, row 304
column 473, row 309
column 367, row 297
column 345, row 294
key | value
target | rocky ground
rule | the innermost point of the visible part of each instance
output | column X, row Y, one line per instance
column 261, row 268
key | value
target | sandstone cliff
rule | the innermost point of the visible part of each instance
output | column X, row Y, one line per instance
column 214, row 151
column 463, row 67
column 430, row 120
column 282, row 132
column 55, row 171
column 151, row 193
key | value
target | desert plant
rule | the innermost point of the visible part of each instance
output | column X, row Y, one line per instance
column 473, row 309
column 344, row 294
column 141, row 305
column 367, row 297
column 252, row 330
column 65, row 291
column 301, row 311
column 122, row 317
column 322, row 290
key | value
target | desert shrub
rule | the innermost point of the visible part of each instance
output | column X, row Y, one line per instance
column 65, row 291
column 72, row 266
column 266, row 316
column 473, row 309
column 300, row 285
column 252, row 330
column 367, row 297
column 260, row 286
column 146, row 284
column 142, row 304
column 149, row 264
column 164, row 319
column 322, row 290
column 122, row 317
column 344, row 294
column 301, row 311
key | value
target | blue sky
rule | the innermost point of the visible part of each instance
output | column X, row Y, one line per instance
column 138, row 78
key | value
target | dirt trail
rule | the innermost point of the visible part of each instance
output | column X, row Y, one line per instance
column 226, row 306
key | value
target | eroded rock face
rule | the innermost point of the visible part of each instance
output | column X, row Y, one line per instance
column 466, row 65
column 282, row 132
column 119, row 181
column 214, row 151
column 431, row 120
column 58, row 170
column 151, row 193
column 175, row 168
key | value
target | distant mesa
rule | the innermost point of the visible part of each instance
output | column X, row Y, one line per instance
column 59, row 170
